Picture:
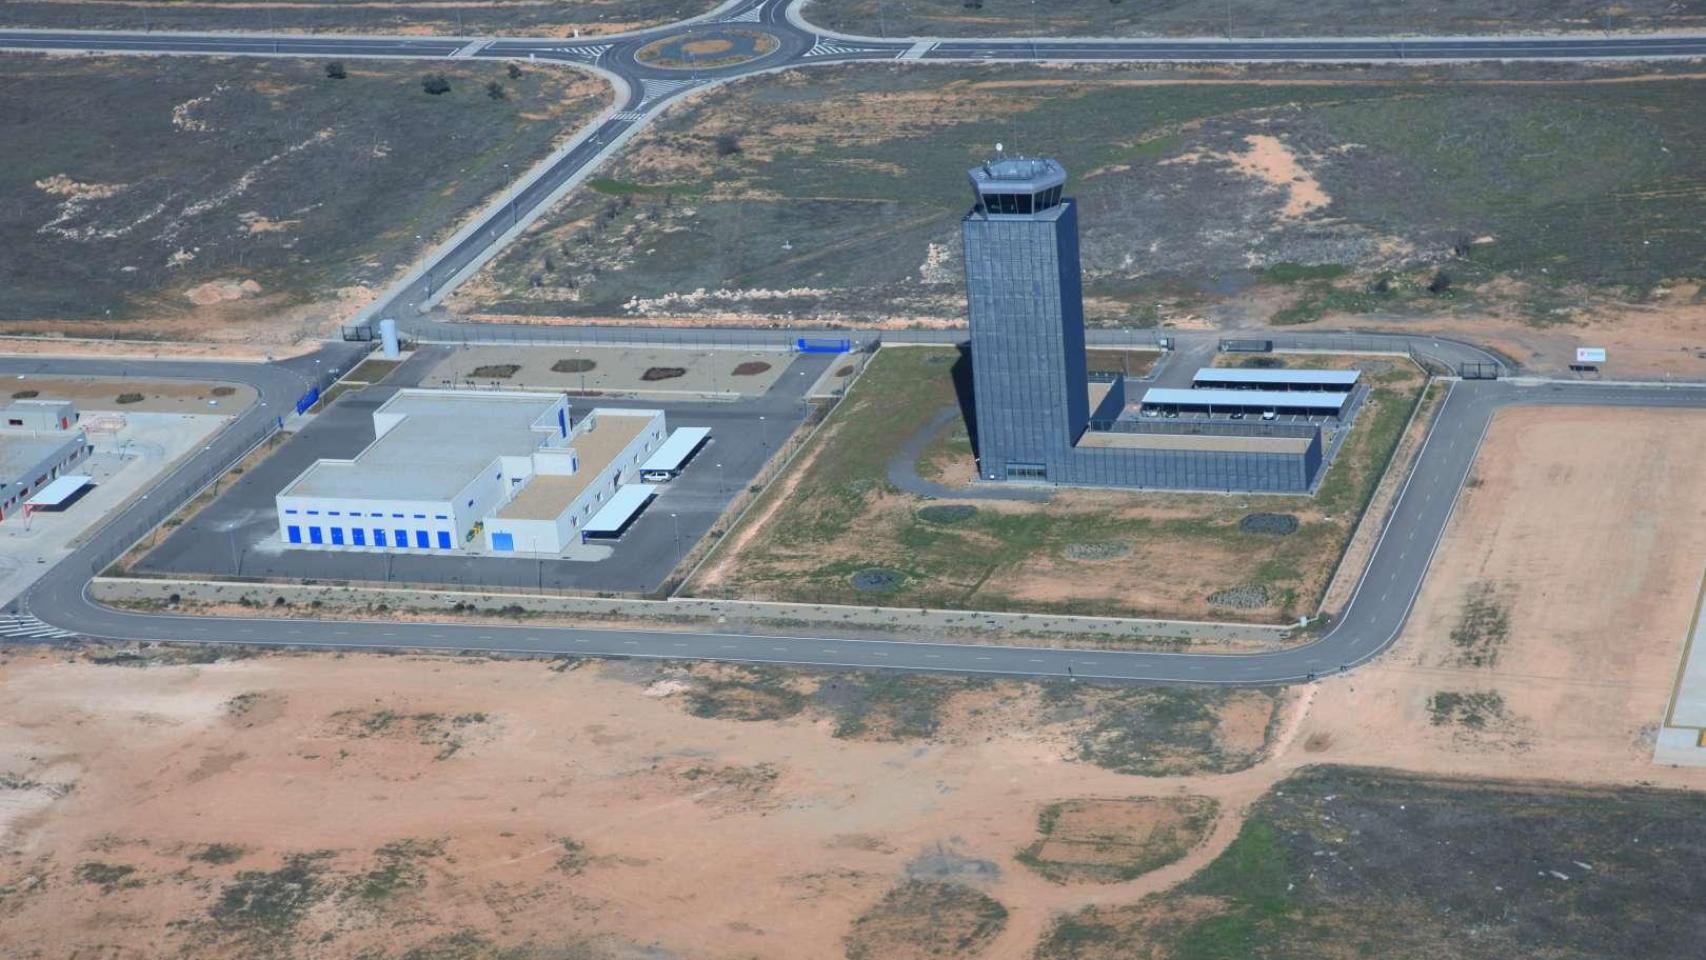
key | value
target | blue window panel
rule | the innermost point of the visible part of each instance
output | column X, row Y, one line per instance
column 421, row 540
column 470, row 503
column 379, row 537
column 396, row 516
column 402, row 538
column 562, row 423
column 337, row 536
column 443, row 540
column 503, row 541
column 440, row 516
column 293, row 534
column 358, row 537
column 420, row 516
column 290, row 511
column 313, row 513
column 314, row 535
column 333, row 513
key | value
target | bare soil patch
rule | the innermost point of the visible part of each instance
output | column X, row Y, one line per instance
column 1107, row 841
column 751, row 368
column 1547, row 633
column 584, row 804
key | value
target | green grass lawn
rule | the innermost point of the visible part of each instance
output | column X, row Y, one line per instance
column 835, row 194
column 1107, row 552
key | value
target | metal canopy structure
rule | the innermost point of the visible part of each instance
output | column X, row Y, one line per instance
column 56, row 493
column 1304, row 401
column 1245, row 378
column 676, row 451
column 623, row 507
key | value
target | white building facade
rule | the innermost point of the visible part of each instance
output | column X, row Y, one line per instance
column 444, row 464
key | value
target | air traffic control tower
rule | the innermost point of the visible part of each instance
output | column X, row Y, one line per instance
column 1027, row 318
column 1040, row 418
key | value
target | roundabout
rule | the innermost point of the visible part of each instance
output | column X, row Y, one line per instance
column 708, row 48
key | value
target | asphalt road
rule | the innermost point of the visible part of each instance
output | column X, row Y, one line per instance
column 1370, row 622
column 226, row 538
column 649, row 88
column 1376, row 613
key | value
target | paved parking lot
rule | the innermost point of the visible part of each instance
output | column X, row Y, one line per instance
column 231, row 535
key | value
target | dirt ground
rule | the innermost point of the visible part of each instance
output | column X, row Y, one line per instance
column 157, row 396
column 612, row 369
column 1596, row 593
column 228, row 808
column 406, row 800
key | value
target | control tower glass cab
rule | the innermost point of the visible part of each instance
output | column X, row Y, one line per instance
column 1026, row 311
column 1017, row 186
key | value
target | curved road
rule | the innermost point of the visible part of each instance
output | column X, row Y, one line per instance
column 1370, row 622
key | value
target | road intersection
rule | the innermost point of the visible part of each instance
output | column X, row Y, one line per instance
column 1370, row 622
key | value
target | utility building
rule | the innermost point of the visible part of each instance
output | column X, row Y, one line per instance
column 39, row 442
column 445, row 463
column 1038, row 416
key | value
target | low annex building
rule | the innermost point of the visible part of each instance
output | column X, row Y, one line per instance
column 39, row 441
column 453, row 468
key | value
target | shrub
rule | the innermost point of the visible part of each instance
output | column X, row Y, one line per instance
column 515, row 71
column 435, row 84
column 335, row 70
column 727, row 144
column 26, row 394
column 495, row 90
column 130, row 398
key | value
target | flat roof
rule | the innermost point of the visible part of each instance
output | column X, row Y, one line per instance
column 59, row 490
column 1198, row 442
column 444, row 440
column 19, row 453
column 1341, row 378
column 676, row 449
column 621, row 508
column 545, row 497
column 1246, row 399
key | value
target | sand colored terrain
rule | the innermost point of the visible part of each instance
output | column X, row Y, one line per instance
column 1598, row 589
column 544, row 805
column 583, row 804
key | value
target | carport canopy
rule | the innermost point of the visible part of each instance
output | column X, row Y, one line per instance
column 56, row 493
column 1307, row 401
column 676, row 449
column 623, row 507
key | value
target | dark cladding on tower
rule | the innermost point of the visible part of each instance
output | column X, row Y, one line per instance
column 1038, row 417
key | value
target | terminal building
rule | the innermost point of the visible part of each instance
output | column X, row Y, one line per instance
column 454, row 470
column 39, row 442
column 1038, row 416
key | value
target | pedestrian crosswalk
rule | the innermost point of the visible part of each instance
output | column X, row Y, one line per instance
column 23, row 627
column 630, row 116
column 752, row 15
column 825, row 47
column 654, row 90
column 585, row 54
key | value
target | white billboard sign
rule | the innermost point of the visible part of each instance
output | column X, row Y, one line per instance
column 1590, row 354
